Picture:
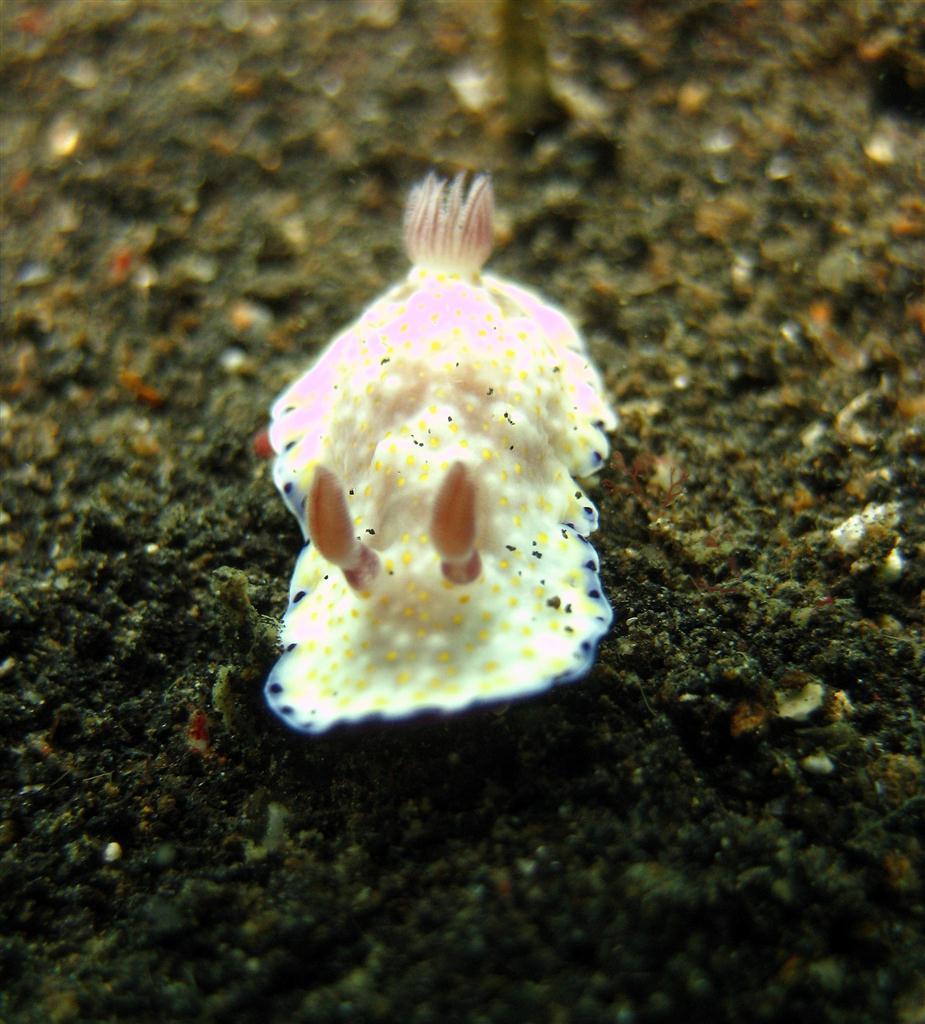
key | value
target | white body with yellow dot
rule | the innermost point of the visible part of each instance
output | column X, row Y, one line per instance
column 449, row 366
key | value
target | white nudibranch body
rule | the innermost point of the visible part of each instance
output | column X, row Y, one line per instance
column 430, row 456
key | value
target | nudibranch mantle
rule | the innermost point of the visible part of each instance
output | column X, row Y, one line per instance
column 430, row 456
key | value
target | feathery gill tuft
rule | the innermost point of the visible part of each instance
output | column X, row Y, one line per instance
column 444, row 230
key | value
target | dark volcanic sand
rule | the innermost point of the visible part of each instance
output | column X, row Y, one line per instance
column 724, row 821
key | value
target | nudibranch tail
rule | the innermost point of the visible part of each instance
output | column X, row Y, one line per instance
column 443, row 230
column 453, row 526
column 331, row 531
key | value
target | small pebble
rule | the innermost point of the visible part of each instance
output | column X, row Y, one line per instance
column 63, row 137
column 818, row 764
column 881, row 148
column 111, row 853
column 799, row 706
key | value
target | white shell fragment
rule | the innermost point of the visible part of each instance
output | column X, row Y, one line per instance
column 800, row 705
column 430, row 456
column 849, row 536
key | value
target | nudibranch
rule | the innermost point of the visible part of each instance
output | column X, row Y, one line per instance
column 430, row 456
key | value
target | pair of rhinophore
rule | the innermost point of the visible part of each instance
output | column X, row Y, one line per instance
column 452, row 528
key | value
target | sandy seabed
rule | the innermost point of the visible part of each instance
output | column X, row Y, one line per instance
column 724, row 820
